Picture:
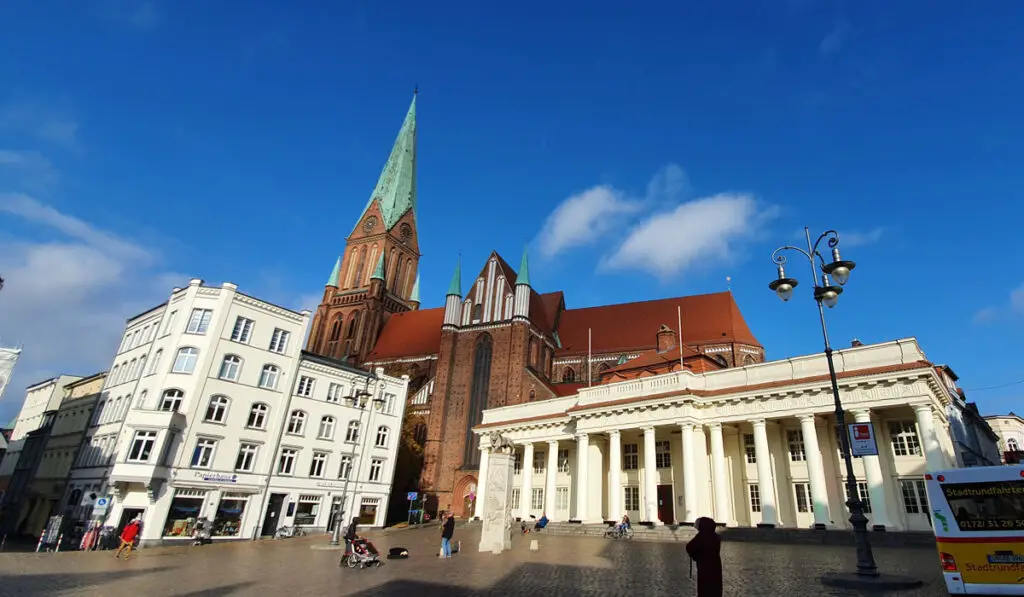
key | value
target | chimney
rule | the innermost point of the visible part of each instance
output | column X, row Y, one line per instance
column 667, row 339
column 855, row 343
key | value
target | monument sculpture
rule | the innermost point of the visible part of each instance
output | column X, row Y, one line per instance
column 495, row 535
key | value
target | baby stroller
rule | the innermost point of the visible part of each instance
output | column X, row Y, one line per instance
column 201, row 535
column 361, row 553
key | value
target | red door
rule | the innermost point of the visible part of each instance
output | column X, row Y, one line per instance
column 665, row 512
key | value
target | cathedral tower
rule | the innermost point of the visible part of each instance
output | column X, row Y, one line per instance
column 377, row 274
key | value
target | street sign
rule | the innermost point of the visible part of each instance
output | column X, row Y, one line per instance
column 862, row 439
column 101, row 505
column 412, row 496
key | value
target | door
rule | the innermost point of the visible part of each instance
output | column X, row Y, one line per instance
column 665, row 512
column 127, row 515
column 915, row 504
column 270, row 522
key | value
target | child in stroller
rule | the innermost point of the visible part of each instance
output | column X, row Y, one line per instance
column 359, row 551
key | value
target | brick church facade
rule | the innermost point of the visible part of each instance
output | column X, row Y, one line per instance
column 498, row 343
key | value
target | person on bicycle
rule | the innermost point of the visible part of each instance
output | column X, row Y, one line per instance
column 624, row 523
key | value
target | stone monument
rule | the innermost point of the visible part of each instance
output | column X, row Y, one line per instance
column 496, row 534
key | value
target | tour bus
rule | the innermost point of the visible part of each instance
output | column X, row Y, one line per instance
column 978, row 518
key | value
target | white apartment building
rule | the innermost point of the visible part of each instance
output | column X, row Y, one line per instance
column 221, row 417
column 1010, row 430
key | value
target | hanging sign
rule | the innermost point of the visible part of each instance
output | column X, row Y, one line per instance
column 862, row 439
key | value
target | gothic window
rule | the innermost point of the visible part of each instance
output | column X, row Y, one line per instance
column 748, row 360
column 351, row 268
column 361, row 266
column 372, row 263
column 720, row 360
column 336, row 330
column 478, row 398
column 533, row 352
column 419, row 433
column 568, row 375
column 601, row 369
column 350, row 333
column 478, row 312
column 409, row 281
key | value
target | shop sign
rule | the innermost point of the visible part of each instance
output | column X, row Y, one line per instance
column 330, row 485
column 217, row 477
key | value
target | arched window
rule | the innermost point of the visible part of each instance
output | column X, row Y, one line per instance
column 359, row 268
column 297, row 422
column 748, row 360
column 113, row 375
column 1012, row 446
column 720, row 360
column 131, row 369
column 478, row 312
column 171, row 400
column 335, row 330
column 75, row 499
column 532, row 357
column 409, row 278
column 419, row 433
column 396, row 277
column 353, row 325
column 326, row 428
column 601, row 369
column 141, row 402
column 533, row 395
column 231, row 367
column 156, row 361
column 258, row 416
column 268, row 377
column 478, row 397
column 352, row 433
column 217, row 411
column 568, row 374
column 371, row 263
column 142, row 367
column 185, row 361
column 382, row 437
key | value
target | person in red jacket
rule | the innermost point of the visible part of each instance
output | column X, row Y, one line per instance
column 128, row 536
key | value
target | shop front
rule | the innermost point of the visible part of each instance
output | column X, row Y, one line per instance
column 307, row 509
column 184, row 512
column 227, row 521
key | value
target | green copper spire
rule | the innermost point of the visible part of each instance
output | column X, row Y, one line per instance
column 333, row 280
column 395, row 192
column 378, row 273
column 524, row 271
column 414, row 296
column 456, row 286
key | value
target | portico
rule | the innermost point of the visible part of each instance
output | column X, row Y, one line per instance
column 751, row 446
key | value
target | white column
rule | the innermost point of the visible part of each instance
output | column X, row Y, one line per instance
column 526, row 492
column 765, row 482
column 815, row 472
column 650, row 477
column 719, row 472
column 582, row 446
column 614, row 475
column 875, row 480
column 552, row 472
column 932, row 450
column 689, row 474
column 481, row 482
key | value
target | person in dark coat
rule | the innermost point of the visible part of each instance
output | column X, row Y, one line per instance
column 447, row 531
column 705, row 549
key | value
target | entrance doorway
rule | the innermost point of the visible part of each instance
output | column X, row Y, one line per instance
column 666, row 514
column 270, row 522
column 127, row 515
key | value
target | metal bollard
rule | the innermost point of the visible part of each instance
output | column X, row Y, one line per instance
column 60, row 540
column 42, row 535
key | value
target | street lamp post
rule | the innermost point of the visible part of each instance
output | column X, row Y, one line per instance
column 359, row 400
column 827, row 295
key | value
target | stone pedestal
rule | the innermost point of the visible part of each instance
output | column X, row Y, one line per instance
column 495, row 536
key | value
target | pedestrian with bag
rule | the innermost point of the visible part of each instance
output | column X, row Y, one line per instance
column 706, row 550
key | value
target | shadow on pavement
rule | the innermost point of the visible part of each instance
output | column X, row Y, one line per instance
column 218, row 591
column 28, row 585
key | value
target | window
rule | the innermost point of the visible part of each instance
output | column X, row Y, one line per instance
column 156, row 361
column 754, row 492
column 334, row 392
column 326, row 428
column 1012, row 446
column 217, row 410
column 141, row 402
column 199, row 322
column 376, row 466
column 142, row 367
column 632, row 498
column 862, row 493
column 113, row 376
column 537, row 499
column 185, row 362
column 904, row 438
column 478, row 312
column 663, row 454
column 142, row 446
column 242, row 330
column 297, row 422
column 630, row 457
column 568, row 375
column 561, row 498
column 352, row 433
column 478, row 396
column 258, row 416
column 286, row 463
column 170, row 322
column 171, row 400
column 279, row 341
column 515, row 499
column 231, row 367
column 319, row 463
column 538, row 463
column 750, row 450
column 246, row 460
column 563, row 461
column 915, row 500
column 795, row 437
column 517, row 463
column 268, row 377
column 803, row 497
column 306, row 509
column 346, row 467
column 305, row 388
column 382, row 437
column 202, row 457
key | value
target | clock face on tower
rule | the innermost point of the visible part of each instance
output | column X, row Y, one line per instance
column 369, row 223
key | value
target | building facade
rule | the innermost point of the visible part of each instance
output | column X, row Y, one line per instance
column 212, row 412
column 748, row 446
column 1010, row 430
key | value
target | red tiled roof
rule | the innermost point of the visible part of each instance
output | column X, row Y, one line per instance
column 413, row 333
column 707, row 318
column 653, row 358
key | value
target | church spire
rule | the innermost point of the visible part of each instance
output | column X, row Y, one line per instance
column 524, row 270
column 395, row 192
column 378, row 272
column 455, row 288
column 414, row 296
column 333, row 280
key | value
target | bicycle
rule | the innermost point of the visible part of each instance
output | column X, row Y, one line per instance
column 287, row 532
column 618, row 532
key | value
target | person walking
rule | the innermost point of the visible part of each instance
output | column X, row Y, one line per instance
column 447, row 531
column 706, row 550
column 128, row 536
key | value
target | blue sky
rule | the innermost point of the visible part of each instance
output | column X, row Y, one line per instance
column 642, row 149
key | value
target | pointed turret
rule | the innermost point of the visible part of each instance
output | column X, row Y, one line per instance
column 455, row 288
column 521, row 309
column 524, row 270
column 395, row 192
column 453, row 302
column 414, row 296
column 333, row 280
column 378, row 272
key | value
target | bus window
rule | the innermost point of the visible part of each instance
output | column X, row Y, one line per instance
column 987, row 506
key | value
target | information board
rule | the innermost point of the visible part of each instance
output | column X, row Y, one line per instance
column 862, row 439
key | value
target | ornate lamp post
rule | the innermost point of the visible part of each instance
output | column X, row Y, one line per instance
column 826, row 294
column 359, row 400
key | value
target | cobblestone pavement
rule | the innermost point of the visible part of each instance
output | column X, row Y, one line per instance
column 561, row 566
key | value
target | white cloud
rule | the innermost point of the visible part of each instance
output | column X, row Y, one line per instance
column 1014, row 307
column 855, row 238
column 30, row 170
column 41, row 123
column 1017, row 299
column 702, row 231
column 586, row 217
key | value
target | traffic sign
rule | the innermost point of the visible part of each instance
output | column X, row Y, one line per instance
column 412, row 496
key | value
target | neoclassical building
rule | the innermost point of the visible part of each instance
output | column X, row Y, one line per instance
column 755, row 445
